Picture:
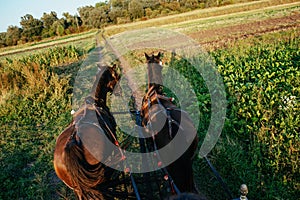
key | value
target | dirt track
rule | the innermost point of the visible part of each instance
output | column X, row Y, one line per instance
column 220, row 36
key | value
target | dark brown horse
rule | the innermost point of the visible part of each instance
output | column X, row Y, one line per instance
column 79, row 166
column 164, row 120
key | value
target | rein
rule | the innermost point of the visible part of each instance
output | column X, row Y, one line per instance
column 123, row 157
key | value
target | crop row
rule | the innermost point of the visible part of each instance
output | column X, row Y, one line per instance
column 263, row 89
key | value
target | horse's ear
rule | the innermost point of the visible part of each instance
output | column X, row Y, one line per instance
column 158, row 55
column 99, row 67
column 114, row 67
column 147, row 57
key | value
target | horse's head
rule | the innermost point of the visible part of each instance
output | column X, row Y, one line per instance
column 154, row 71
column 106, row 82
column 111, row 78
column 153, row 58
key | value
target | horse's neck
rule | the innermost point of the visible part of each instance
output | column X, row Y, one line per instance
column 150, row 76
column 99, row 91
column 154, row 76
column 101, row 95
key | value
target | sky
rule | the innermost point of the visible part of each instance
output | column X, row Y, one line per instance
column 11, row 11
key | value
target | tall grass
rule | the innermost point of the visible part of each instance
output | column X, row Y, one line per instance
column 34, row 107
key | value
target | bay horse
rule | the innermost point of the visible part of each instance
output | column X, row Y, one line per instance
column 157, row 106
column 80, row 167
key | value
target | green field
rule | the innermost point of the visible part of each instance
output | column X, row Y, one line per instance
column 256, row 50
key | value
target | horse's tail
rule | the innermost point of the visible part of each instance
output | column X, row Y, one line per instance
column 85, row 177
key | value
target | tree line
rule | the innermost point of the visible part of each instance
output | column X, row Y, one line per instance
column 98, row 16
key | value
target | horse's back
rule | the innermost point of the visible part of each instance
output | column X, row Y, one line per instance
column 162, row 110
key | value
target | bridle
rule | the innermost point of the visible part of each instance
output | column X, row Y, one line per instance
column 153, row 64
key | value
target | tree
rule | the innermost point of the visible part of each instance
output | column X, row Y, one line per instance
column 95, row 17
column 115, row 14
column 190, row 4
column 84, row 13
column 72, row 22
column 174, row 6
column 122, row 4
column 135, row 9
column 32, row 28
column 153, row 4
column 104, row 17
column 48, row 20
column 100, row 4
column 3, row 39
column 13, row 35
column 96, row 20
column 116, row 3
column 58, row 27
